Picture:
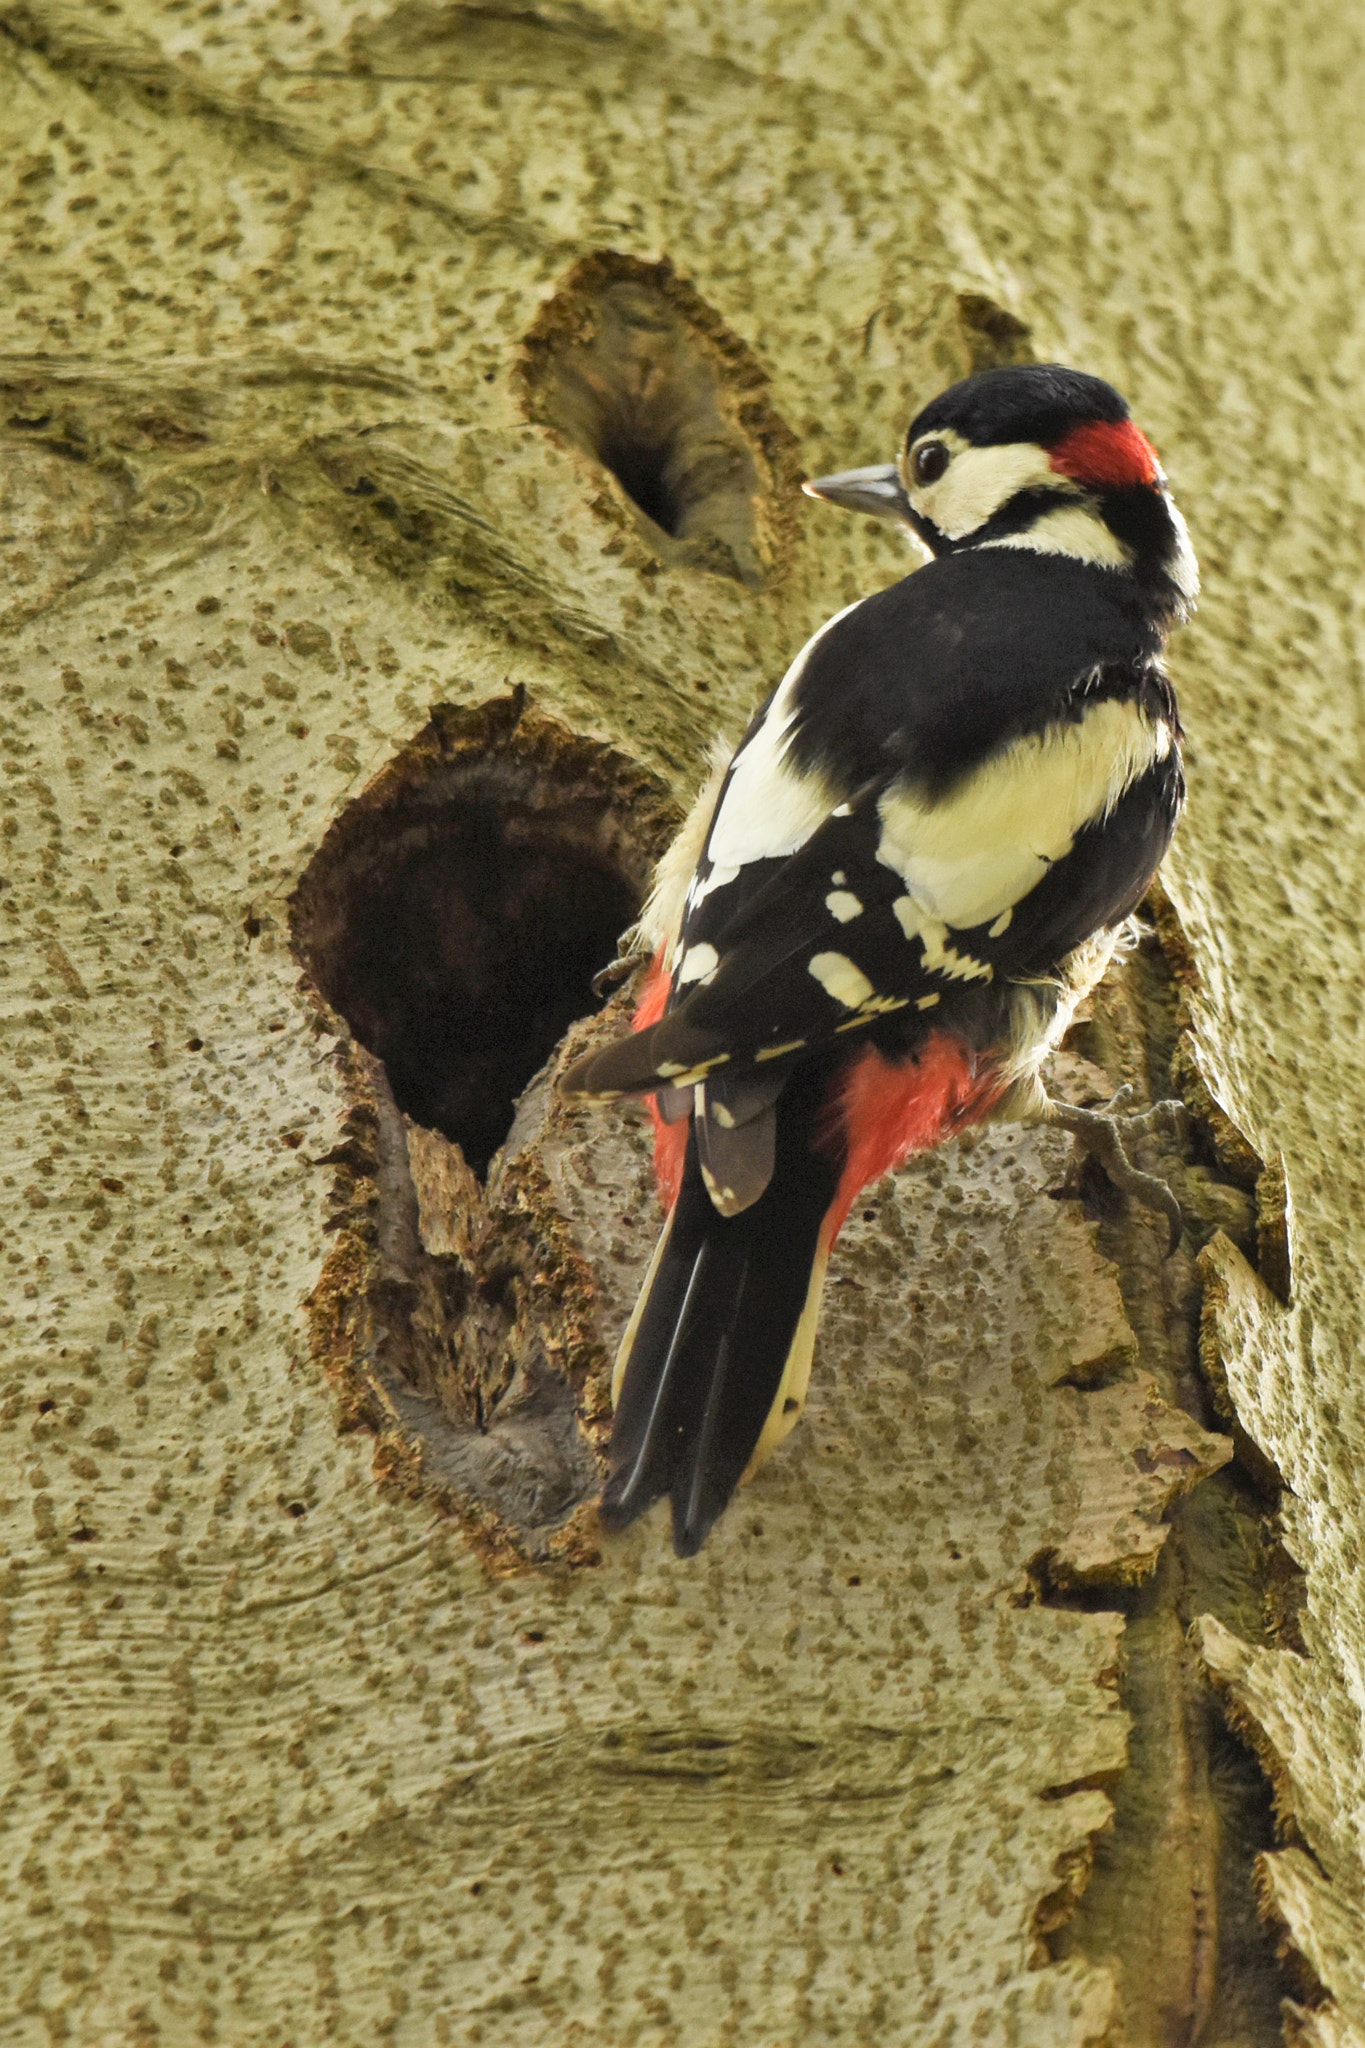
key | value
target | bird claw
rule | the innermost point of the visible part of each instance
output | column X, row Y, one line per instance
column 614, row 973
column 1101, row 1132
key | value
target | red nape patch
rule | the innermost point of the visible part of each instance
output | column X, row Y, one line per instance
column 888, row 1110
column 670, row 1140
column 1106, row 455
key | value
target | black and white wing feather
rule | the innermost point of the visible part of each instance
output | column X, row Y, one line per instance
column 898, row 907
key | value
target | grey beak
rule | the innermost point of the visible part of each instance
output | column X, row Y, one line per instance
column 878, row 490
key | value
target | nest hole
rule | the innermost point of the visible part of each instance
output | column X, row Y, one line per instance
column 629, row 364
column 456, row 913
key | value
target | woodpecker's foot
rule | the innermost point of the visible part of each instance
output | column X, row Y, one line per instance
column 614, row 973
column 1102, row 1134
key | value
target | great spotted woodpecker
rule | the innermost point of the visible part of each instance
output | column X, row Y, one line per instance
column 884, row 909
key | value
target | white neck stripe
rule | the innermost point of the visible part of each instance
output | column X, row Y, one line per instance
column 1071, row 530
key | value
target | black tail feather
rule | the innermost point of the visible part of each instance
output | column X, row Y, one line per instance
column 710, row 1344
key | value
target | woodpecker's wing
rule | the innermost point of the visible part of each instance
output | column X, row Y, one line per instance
column 747, row 995
column 896, row 904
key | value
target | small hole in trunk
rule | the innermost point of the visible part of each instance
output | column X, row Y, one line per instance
column 629, row 364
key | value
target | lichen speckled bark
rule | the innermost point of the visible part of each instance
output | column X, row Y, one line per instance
column 322, row 1728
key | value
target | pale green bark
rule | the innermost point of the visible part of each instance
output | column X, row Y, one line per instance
column 302, row 1748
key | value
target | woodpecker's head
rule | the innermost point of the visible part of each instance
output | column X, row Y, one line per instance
column 1036, row 457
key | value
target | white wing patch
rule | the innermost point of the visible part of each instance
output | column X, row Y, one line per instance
column 662, row 915
column 971, row 857
column 843, row 905
column 770, row 810
column 718, row 878
column 839, row 978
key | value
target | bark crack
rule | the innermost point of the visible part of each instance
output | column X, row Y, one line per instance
column 1172, row 1906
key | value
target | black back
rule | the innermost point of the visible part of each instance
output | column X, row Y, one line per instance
column 932, row 677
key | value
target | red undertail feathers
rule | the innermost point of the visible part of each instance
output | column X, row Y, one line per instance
column 670, row 1140
column 883, row 1110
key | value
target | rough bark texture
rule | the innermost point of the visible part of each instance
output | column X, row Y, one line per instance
column 410, row 401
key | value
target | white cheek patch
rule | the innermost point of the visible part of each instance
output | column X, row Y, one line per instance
column 978, row 481
column 972, row 856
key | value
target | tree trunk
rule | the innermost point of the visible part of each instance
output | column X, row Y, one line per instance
column 403, row 417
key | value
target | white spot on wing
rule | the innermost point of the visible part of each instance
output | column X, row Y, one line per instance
column 775, row 1052
column 1002, row 923
column 840, row 979
column 842, row 904
column 699, row 963
column 687, row 1077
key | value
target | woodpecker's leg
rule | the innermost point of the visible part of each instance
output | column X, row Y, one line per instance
column 614, row 973
column 1102, row 1132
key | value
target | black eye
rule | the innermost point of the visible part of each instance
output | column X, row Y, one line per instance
column 929, row 462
